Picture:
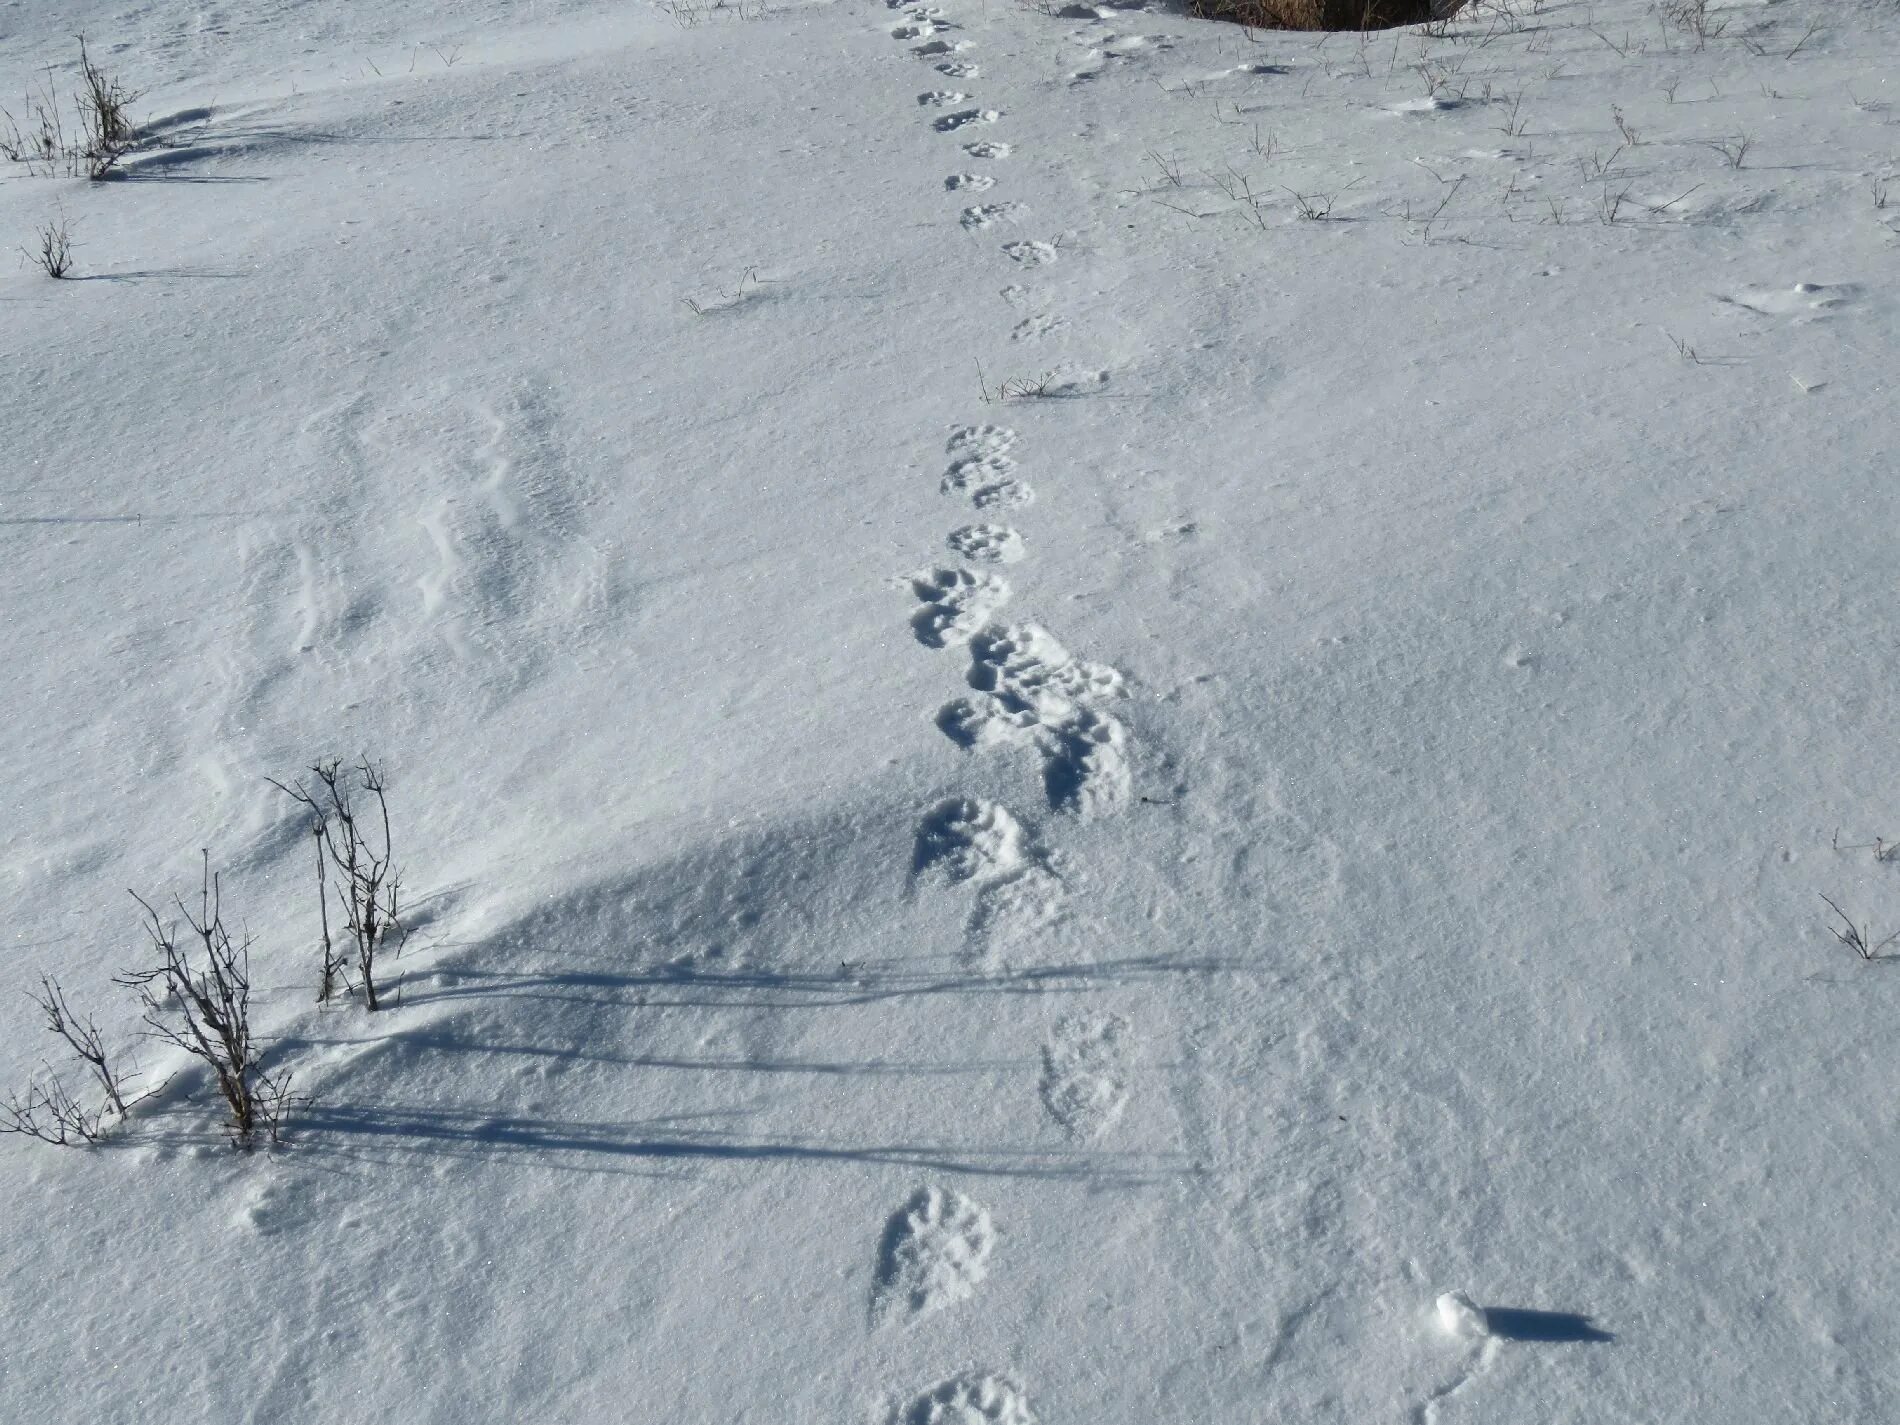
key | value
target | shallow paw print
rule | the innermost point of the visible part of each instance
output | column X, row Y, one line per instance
column 1084, row 1083
column 980, row 844
column 976, row 1398
column 980, row 440
column 1036, row 326
column 975, row 472
column 957, row 603
column 1004, row 495
column 987, row 543
column 935, row 1253
column 968, row 839
column 985, row 214
column 1030, row 252
column 1085, row 766
column 964, row 118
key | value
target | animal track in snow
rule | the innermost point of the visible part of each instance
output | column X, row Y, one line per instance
column 969, row 840
column 969, row 182
column 950, row 123
column 979, row 843
column 976, row 1398
column 987, row 543
column 921, row 30
column 976, row 472
column 1003, row 495
column 984, row 214
column 957, row 602
column 930, row 49
column 980, row 468
column 1030, row 675
column 1030, row 687
column 941, row 98
column 959, row 69
column 935, row 1253
column 1085, row 1074
column 1805, row 301
column 981, row 440
column 1030, row 253
column 1085, row 766
column 1036, row 325
column 985, row 149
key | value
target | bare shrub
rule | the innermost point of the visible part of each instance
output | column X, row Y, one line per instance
column 198, row 998
column 105, row 123
column 48, row 1110
column 52, row 250
column 1692, row 17
column 38, row 138
column 356, row 845
column 1734, row 150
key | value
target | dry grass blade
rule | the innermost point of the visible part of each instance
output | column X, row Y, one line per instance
column 1855, row 937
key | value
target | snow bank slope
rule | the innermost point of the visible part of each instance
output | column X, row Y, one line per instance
column 1038, row 788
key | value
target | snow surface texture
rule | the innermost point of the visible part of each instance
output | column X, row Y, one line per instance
column 1334, row 806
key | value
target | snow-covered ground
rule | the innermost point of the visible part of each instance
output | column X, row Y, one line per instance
column 1035, row 789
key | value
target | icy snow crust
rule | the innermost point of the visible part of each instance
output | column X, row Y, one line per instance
column 1034, row 789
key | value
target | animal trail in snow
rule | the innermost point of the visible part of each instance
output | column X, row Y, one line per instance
column 968, row 182
column 935, row 1253
column 985, row 149
column 940, row 98
column 1084, row 1074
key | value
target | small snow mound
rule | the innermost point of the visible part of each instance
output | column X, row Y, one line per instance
column 1459, row 1316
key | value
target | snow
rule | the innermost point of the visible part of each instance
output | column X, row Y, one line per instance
column 1375, row 848
column 1459, row 1316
